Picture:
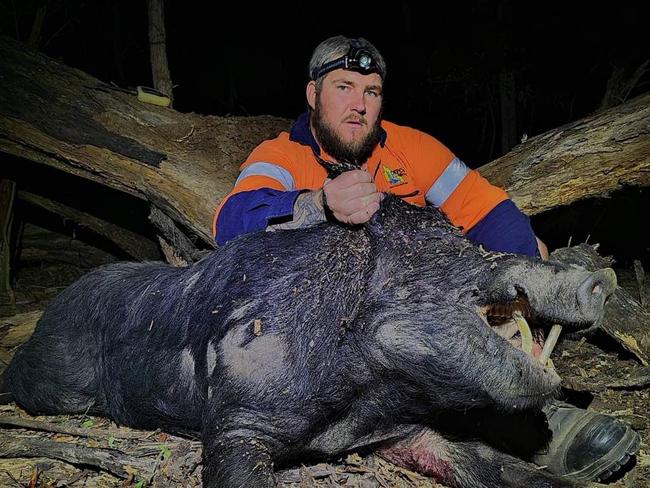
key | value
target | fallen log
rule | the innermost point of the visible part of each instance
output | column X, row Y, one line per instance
column 159, row 459
column 591, row 157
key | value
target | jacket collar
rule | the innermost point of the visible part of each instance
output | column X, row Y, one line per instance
column 301, row 133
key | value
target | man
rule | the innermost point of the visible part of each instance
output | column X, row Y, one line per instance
column 345, row 126
column 338, row 161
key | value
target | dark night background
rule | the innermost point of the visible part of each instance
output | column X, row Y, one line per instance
column 444, row 62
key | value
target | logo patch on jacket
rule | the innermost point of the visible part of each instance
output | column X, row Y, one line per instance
column 394, row 177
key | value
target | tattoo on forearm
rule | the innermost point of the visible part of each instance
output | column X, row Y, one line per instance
column 307, row 212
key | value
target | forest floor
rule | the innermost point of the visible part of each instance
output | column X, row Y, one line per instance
column 89, row 451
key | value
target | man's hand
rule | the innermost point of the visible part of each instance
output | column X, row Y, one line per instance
column 352, row 196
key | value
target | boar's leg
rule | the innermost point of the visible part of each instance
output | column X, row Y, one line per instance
column 236, row 458
column 467, row 464
column 53, row 373
column 241, row 442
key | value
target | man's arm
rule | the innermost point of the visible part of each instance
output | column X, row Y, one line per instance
column 352, row 198
column 506, row 229
column 308, row 211
column 265, row 192
column 483, row 210
column 248, row 211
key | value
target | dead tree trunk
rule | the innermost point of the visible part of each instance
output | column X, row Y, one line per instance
column 162, row 80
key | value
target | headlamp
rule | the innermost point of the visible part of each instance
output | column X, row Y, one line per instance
column 357, row 59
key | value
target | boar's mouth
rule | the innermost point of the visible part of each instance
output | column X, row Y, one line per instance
column 510, row 321
column 547, row 296
column 499, row 312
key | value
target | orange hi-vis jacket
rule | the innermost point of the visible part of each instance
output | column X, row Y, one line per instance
column 407, row 163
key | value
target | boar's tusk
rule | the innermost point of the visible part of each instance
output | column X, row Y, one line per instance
column 524, row 330
column 549, row 344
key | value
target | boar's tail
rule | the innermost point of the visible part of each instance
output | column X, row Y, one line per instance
column 5, row 395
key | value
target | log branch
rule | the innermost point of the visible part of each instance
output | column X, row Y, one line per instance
column 110, row 460
column 173, row 240
column 135, row 245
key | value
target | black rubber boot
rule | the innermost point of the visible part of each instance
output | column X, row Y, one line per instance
column 586, row 445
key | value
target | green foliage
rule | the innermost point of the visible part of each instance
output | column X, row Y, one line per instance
column 165, row 451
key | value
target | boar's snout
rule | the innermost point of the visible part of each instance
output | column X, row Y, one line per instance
column 594, row 290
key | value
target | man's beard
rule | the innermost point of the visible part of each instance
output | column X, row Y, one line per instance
column 356, row 152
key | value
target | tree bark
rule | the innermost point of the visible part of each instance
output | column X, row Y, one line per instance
column 162, row 80
column 591, row 157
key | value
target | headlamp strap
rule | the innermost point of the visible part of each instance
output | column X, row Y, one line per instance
column 357, row 59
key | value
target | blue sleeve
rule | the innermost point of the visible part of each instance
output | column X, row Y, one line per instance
column 250, row 211
column 505, row 229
